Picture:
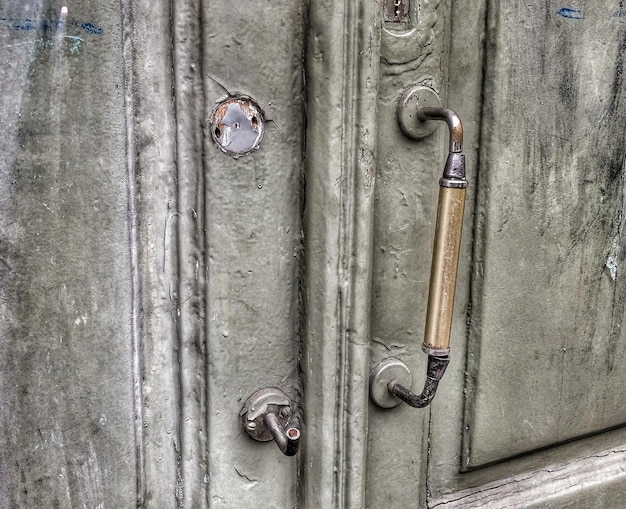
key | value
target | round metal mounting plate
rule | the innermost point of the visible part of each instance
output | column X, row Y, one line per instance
column 237, row 125
column 383, row 373
column 258, row 406
column 414, row 97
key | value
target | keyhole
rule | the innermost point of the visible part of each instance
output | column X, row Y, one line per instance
column 397, row 4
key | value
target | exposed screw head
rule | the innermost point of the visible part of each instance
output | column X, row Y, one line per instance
column 251, row 425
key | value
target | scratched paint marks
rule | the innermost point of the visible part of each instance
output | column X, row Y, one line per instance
column 50, row 31
column 41, row 43
column 47, row 25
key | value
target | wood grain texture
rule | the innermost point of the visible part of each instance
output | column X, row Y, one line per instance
column 594, row 482
column 66, row 359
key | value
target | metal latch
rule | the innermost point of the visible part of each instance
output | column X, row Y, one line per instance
column 267, row 415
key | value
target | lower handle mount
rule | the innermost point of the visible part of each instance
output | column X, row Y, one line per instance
column 390, row 382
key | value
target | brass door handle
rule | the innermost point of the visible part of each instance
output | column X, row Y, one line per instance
column 267, row 415
column 389, row 379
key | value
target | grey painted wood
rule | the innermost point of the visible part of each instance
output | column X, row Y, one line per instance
column 151, row 131
column 546, row 347
column 252, row 226
column 546, row 290
column 406, row 201
column 191, row 448
column 66, row 359
column 342, row 76
column 597, row 481
column 150, row 283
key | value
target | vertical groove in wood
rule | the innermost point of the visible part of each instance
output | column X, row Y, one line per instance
column 342, row 78
column 128, row 29
column 475, row 284
column 149, row 83
column 189, row 100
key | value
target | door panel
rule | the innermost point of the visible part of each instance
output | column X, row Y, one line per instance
column 253, row 244
column 545, row 347
column 550, row 243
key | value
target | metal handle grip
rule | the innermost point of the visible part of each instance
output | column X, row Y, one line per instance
column 443, row 274
column 447, row 244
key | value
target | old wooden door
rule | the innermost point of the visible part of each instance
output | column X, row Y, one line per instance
column 151, row 282
column 541, row 420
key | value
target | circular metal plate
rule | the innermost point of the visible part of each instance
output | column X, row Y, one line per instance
column 237, row 125
column 384, row 372
column 414, row 97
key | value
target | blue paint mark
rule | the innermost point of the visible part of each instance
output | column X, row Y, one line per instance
column 28, row 24
column 620, row 14
column 48, row 25
column 92, row 28
column 571, row 13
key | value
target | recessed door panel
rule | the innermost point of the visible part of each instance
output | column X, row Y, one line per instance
column 546, row 342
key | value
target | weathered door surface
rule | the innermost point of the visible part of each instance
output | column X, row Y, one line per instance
column 150, row 281
column 543, row 411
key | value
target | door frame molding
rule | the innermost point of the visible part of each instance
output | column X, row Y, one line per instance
column 342, row 83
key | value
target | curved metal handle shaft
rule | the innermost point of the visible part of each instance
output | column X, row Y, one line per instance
column 436, row 368
column 288, row 440
column 449, row 117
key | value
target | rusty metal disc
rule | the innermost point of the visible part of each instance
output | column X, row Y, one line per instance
column 237, row 125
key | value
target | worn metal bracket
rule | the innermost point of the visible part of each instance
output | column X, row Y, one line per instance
column 267, row 415
column 390, row 382
column 383, row 373
column 413, row 99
